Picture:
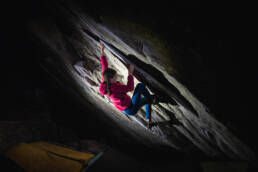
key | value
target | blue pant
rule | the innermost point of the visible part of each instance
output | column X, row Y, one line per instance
column 138, row 101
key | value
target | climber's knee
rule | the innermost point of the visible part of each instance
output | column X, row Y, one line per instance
column 140, row 85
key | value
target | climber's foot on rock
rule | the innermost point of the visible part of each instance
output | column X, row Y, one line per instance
column 149, row 123
column 155, row 99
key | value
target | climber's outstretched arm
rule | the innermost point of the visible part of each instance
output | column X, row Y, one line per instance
column 103, row 60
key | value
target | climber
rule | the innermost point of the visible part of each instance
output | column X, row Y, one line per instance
column 117, row 92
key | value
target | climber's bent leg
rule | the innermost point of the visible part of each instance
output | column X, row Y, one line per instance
column 141, row 88
column 148, row 110
column 134, row 107
column 135, row 100
column 144, row 101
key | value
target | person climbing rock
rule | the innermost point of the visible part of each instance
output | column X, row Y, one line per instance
column 117, row 92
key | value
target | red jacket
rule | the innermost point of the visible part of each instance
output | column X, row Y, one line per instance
column 119, row 91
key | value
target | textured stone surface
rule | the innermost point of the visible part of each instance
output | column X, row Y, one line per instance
column 181, row 120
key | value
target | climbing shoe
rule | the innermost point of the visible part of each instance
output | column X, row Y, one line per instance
column 155, row 99
column 149, row 125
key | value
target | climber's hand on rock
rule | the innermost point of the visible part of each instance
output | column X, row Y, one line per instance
column 101, row 46
column 131, row 69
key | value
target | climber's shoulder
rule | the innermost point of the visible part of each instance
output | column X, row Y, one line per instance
column 103, row 85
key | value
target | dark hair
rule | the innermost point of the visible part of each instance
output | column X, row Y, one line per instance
column 108, row 74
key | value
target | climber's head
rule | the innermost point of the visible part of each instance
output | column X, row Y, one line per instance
column 110, row 76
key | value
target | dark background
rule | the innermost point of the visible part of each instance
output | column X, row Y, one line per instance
column 215, row 33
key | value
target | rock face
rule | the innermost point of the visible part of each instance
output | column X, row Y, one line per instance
column 71, row 38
